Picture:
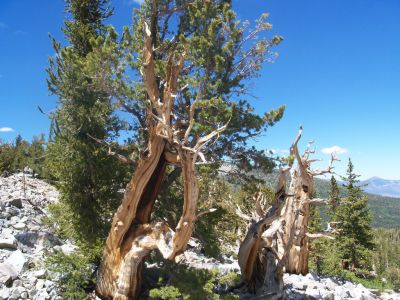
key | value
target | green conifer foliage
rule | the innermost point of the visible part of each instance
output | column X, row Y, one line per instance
column 317, row 245
column 221, row 55
column 87, row 177
column 334, row 198
column 16, row 156
column 354, row 238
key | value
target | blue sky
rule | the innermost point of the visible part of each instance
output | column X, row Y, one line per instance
column 338, row 73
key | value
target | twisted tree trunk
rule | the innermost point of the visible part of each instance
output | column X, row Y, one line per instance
column 133, row 237
column 258, row 261
column 278, row 241
column 294, row 238
column 120, row 271
column 300, row 188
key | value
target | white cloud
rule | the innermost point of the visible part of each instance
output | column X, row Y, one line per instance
column 6, row 129
column 334, row 149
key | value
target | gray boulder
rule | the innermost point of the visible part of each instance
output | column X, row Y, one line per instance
column 7, row 274
column 17, row 202
column 8, row 243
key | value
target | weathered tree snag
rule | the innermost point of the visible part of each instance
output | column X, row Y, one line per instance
column 298, row 202
column 133, row 236
column 301, row 187
column 257, row 253
column 278, row 240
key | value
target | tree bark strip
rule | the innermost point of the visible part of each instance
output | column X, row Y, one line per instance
column 135, row 210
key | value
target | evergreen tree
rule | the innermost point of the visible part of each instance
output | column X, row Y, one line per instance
column 334, row 198
column 14, row 157
column 317, row 245
column 87, row 177
column 354, row 238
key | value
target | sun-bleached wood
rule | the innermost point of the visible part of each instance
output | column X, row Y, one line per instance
column 133, row 235
column 277, row 239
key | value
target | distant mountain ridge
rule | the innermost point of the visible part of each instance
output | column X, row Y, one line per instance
column 382, row 187
column 385, row 209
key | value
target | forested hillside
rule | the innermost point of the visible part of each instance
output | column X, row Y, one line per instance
column 385, row 210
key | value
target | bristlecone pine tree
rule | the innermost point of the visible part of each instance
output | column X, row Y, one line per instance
column 191, row 59
column 278, row 239
column 355, row 238
column 87, row 177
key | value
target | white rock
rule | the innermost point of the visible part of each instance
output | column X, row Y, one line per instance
column 17, row 260
column 341, row 292
column 67, row 249
column 8, row 243
column 49, row 285
column 299, row 285
column 41, row 274
column 311, row 277
column 42, row 295
column 15, row 294
column 329, row 295
column 19, row 226
column 7, row 233
column 349, row 285
column 7, row 274
column 12, row 267
column 360, row 292
column 40, row 284
column 24, row 295
column 329, row 283
column 315, row 293
column 5, row 293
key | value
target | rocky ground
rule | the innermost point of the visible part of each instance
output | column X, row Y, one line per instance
column 25, row 240
column 297, row 287
column 314, row 287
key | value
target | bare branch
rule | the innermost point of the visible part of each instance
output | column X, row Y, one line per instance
column 294, row 151
column 317, row 201
column 328, row 169
column 319, row 235
column 149, row 75
column 191, row 113
column 259, row 197
column 202, row 213
column 209, row 136
column 272, row 230
column 120, row 157
column 243, row 215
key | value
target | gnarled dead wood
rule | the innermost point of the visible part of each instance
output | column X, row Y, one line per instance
column 278, row 240
column 298, row 202
column 133, row 235
column 127, row 225
column 257, row 254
